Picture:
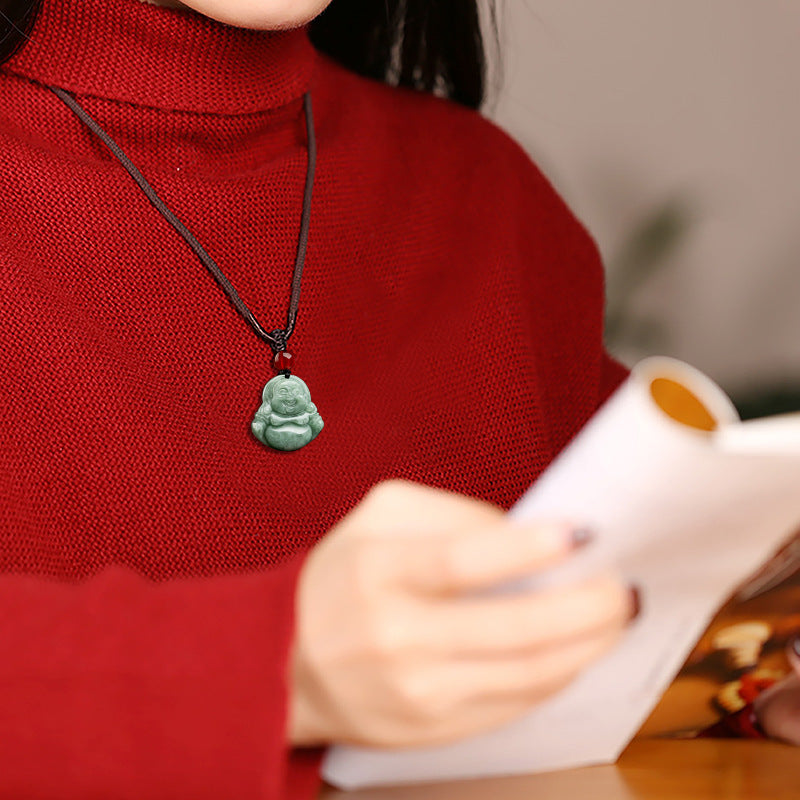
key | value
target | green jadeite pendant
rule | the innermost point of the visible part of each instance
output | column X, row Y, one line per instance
column 286, row 419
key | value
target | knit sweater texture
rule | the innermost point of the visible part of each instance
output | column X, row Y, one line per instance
column 449, row 331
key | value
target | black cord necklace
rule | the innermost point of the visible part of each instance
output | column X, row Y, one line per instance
column 286, row 419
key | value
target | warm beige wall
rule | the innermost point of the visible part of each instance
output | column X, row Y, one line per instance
column 625, row 103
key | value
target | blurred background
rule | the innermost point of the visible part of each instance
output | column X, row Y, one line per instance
column 672, row 129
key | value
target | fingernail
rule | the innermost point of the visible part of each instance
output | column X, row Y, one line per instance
column 794, row 646
column 636, row 602
column 580, row 537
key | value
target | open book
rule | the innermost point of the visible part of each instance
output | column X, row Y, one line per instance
column 686, row 501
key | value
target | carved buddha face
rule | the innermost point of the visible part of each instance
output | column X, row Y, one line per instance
column 289, row 397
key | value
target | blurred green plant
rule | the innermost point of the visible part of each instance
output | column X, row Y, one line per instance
column 645, row 254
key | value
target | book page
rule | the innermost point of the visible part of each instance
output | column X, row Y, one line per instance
column 681, row 507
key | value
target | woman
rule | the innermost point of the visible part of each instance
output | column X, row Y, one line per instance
column 448, row 332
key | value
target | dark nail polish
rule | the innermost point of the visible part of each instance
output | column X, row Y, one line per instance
column 636, row 602
column 581, row 537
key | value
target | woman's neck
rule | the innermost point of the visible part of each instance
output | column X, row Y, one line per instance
column 138, row 52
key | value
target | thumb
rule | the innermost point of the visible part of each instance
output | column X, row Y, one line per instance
column 399, row 506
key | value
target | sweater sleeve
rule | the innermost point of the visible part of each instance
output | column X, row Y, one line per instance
column 121, row 687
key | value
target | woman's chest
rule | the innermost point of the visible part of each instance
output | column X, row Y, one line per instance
column 131, row 382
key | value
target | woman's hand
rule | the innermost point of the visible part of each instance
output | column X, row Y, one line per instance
column 778, row 709
column 395, row 646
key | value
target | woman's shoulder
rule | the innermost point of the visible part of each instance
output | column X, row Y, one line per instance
column 437, row 141
column 429, row 126
column 441, row 147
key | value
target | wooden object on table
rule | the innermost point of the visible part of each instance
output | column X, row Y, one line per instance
column 689, row 704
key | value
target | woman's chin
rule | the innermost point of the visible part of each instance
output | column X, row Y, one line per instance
column 260, row 14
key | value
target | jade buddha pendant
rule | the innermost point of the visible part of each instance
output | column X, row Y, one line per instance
column 286, row 419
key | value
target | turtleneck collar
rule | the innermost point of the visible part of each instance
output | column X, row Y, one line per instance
column 135, row 52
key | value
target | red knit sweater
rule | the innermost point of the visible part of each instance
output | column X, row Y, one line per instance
column 449, row 329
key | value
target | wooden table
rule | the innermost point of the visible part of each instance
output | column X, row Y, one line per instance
column 658, row 766
column 649, row 770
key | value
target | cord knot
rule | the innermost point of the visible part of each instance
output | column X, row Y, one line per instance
column 277, row 340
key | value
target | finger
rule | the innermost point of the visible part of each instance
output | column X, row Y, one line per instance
column 489, row 555
column 496, row 626
column 794, row 654
column 534, row 677
column 479, row 695
column 778, row 710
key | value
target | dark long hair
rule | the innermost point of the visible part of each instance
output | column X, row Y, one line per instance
column 429, row 45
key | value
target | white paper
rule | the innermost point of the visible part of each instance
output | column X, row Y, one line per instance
column 685, row 514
